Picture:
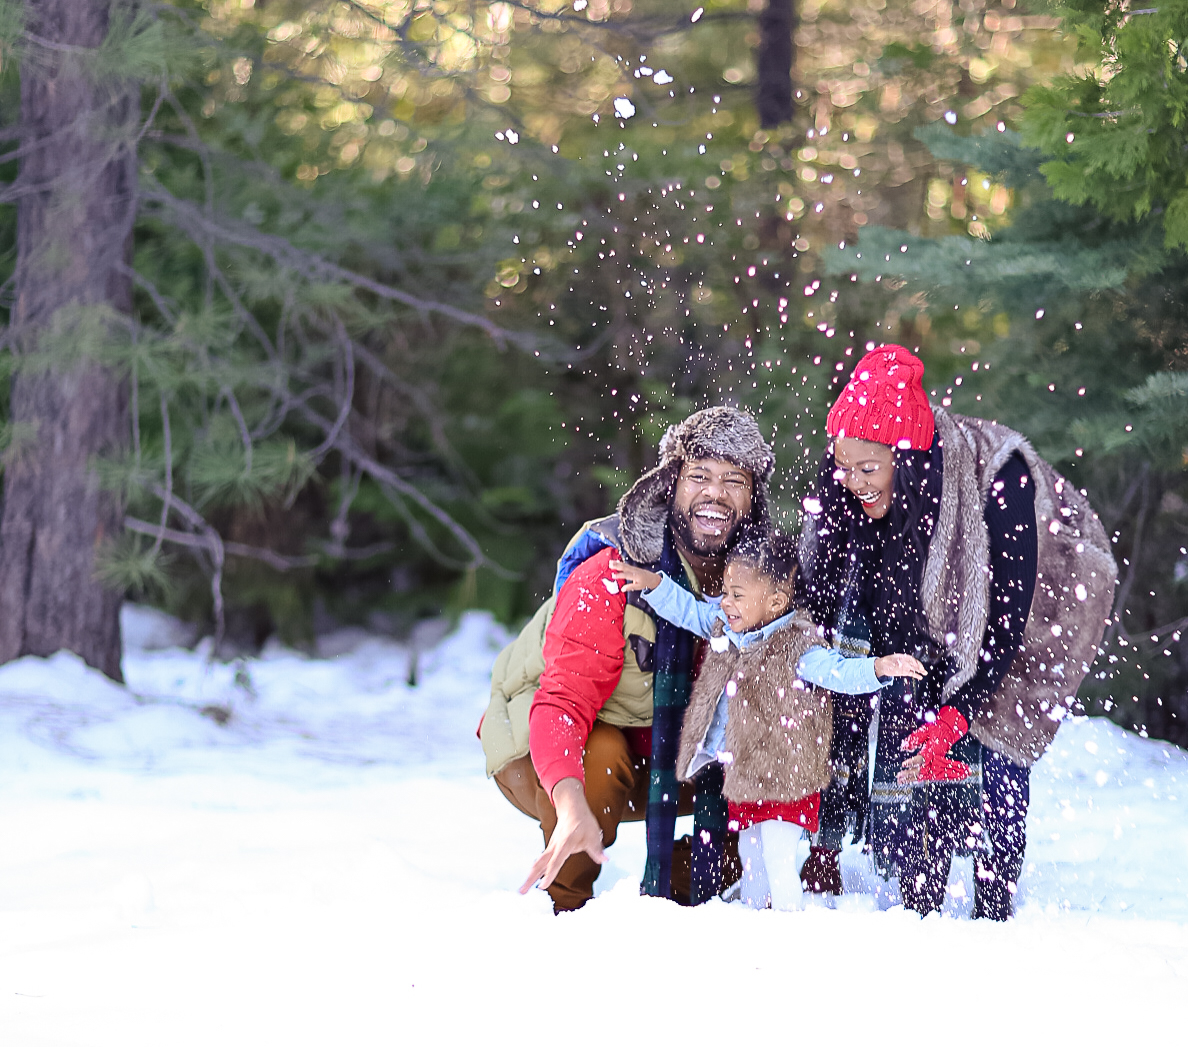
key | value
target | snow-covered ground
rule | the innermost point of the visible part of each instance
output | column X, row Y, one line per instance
column 331, row 867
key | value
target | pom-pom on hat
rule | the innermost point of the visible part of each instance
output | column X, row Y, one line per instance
column 884, row 401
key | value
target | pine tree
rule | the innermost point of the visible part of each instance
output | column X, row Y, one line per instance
column 76, row 200
column 1067, row 325
column 1116, row 134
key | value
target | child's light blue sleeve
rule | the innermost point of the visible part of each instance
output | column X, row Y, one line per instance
column 682, row 608
column 829, row 668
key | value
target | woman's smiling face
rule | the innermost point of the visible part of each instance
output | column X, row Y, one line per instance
column 867, row 471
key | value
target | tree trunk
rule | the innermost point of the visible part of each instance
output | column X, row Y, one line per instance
column 773, row 94
column 74, row 228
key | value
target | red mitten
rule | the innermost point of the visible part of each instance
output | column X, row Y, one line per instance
column 934, row 740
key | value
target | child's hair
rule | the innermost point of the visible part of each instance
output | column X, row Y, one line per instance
column 770, row 553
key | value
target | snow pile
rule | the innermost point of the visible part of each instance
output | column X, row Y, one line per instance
column 330, row 866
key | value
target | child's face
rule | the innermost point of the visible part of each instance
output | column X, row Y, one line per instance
column 749, row 600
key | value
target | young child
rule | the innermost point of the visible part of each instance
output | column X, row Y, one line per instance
column 759, row 705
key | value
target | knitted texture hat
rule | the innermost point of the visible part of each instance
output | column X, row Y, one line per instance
column 724, row 433
column 885, row 402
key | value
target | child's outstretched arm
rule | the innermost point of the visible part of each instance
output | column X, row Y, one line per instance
column 830, row 669
column 668, row 599
column 636, row 579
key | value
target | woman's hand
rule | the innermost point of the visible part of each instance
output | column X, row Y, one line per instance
column 900, row 665
column 635, row 579
column 931, row 763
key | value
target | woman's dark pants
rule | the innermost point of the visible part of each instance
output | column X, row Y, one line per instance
column 935, row 835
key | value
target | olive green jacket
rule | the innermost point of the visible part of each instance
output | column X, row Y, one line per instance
column 518, row 668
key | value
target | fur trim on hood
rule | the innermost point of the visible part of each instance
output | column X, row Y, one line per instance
column 724, row 433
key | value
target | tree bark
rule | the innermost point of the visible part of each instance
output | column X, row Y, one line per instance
column 773, row 95
column 74, row 235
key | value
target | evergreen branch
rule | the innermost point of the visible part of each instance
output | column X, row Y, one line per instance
column 199, row 147
column 185, row 216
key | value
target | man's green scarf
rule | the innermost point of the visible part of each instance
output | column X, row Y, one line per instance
column 674, row 663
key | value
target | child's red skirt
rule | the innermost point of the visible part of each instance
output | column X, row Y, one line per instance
column 805, row 811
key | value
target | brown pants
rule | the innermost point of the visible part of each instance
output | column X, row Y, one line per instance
column 617, row 791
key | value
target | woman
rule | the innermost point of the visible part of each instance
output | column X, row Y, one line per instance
column 951, row 539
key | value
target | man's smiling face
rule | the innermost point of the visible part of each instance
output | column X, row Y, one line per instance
column 712, row 499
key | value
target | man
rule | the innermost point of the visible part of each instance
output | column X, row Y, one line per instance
column 586, row 704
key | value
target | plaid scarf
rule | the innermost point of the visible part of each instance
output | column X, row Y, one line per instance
column 672, row 684
column 893, row 814
column 942, row 813
column 845, row 803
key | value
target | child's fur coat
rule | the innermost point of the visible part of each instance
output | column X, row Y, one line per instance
column 779, row 727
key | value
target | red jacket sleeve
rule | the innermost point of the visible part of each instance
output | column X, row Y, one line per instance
column 583, row 656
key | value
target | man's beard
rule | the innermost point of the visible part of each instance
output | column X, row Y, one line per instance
column 703, row 545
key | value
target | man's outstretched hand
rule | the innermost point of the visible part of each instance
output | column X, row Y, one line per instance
column 576, row 831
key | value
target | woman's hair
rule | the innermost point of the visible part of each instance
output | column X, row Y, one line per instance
column 844, row 532
column 771, row 554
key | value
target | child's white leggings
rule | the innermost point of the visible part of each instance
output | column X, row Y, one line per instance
column 772, row 853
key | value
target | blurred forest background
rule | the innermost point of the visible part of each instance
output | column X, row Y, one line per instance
column 411, row 288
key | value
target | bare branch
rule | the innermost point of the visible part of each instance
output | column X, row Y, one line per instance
column 348, row 396
column 152, row 116
column 167, row 499
column 388, row 478
column 143, row 282
column 54, row 45
column 134, row 408
column 1140, row 521
column 184, row 215
column 212, row 542
column 195, row 541
column 244, row 435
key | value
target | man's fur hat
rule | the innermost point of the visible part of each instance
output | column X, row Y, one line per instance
column 724, row 433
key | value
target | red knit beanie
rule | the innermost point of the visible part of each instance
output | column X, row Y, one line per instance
column 885, row 402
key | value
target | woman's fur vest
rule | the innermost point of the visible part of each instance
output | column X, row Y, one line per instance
column 1073, row 595
column 779, row 727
